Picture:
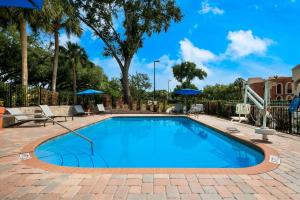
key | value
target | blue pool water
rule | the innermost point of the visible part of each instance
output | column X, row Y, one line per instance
column 149, row 142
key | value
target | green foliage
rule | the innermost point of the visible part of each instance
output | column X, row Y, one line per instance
column 232, row 91
column 161, row 95
column 11, row 16
column 56, row 15
column 10, row 56
column 185, row 85
column 186, row 72
column 114, row 89
column 89, row 75
column 139, row 83
column 39, row 57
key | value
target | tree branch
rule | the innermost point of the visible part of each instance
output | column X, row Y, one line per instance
column 115, row 32
column 111, row 48
column 137, row 44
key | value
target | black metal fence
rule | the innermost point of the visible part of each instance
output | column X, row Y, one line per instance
column 13, row 95
column 279, row 119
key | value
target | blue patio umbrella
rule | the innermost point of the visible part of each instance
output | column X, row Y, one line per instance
column 188, row 92
column 90, row 92
column 31, row 4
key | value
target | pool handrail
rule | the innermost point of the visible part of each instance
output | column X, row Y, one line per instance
column 74, row 132
column 63, row 126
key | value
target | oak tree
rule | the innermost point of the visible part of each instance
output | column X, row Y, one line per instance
column 136, row 19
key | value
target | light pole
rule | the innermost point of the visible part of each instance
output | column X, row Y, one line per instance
column 168, row 91
column 156, row 61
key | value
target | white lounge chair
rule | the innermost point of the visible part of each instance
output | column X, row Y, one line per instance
column 196, row 109
column 177, row 108
column 200, row 108
column 48, row 113
column 101, row 108
column 170, row 110
column 79, row 110
column 22, row 118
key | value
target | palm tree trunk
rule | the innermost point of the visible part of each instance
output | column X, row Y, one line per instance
column 74, row 82
column 55, row 61
column 23, row 39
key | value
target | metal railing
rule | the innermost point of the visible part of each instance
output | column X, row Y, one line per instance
column 16, row 95
column 61, row 125
column 72, row 131
column 281, row 119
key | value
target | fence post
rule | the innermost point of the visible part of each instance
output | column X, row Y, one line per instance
column 208, row 108
column 40, row 95
column 290, row 123
column 58, row 96
column 297, row 118
column 10, row 96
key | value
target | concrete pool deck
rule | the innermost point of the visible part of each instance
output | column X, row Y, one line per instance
column 19, row 180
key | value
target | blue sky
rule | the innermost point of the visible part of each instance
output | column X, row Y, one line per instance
column 228, row 39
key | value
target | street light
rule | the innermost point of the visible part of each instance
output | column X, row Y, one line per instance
column 168, row 90
column 156, row 61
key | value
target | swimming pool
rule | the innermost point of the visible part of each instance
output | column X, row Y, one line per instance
column 149, row 142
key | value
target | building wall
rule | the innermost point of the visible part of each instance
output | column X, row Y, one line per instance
column 258, row 88
column 296, row 79
column 282, row 89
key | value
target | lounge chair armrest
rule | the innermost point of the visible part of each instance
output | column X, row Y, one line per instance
column 33, row 114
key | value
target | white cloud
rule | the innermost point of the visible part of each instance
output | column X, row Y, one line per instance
column 207, row 8
column 63, row 39
column 244, row 43
column 189, row 52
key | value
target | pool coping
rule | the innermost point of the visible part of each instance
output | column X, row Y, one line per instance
column 264, row 166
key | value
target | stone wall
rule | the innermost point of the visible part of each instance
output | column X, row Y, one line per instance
column 57, row 110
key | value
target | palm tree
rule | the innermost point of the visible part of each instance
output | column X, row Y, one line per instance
column 74, row 55
column 58, row 15
column 20, row 17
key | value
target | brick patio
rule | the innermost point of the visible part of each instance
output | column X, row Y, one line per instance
column 21, row 181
